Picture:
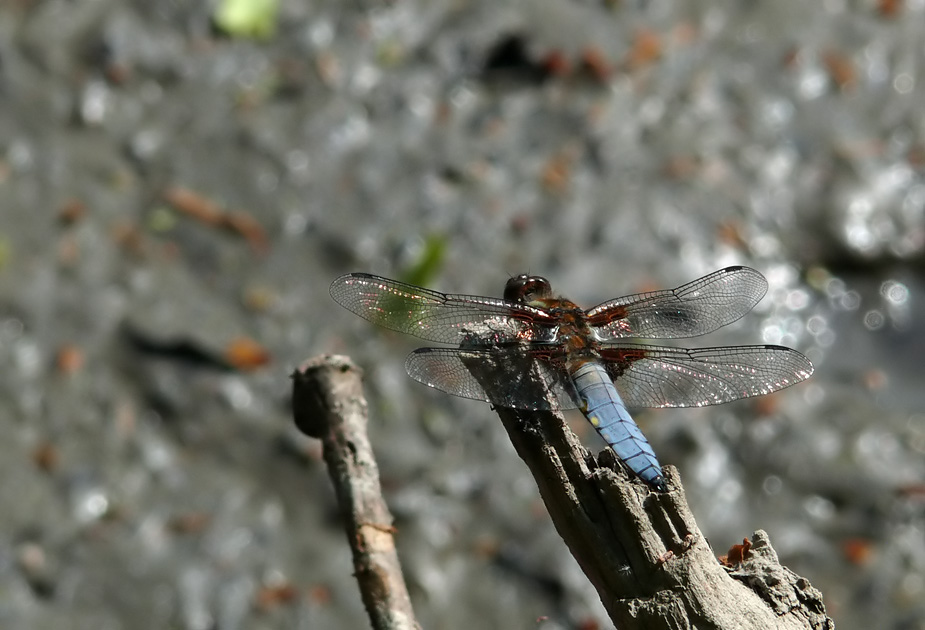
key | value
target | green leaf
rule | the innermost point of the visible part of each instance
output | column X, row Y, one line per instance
column 428, row 265
column 255, row 19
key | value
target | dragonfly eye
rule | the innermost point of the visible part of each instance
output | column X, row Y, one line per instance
column 526, row 289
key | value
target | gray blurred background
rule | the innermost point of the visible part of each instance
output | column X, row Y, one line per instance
column 181, row 181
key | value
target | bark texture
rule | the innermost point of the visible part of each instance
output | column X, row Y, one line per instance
column 328, row 404
column 642, row 549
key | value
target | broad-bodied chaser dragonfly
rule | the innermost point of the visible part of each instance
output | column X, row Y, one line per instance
column 544, row 352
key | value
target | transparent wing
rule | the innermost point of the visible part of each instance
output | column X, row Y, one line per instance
column 651, row 376
column 452, row 319
column 515, row 377
column 693, row 309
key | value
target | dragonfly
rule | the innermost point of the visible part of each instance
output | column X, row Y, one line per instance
column 532, row 350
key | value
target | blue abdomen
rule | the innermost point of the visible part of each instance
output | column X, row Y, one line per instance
column 602, row 405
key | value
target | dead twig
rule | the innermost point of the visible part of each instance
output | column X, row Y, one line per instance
column 642, row 549
column 328, row 404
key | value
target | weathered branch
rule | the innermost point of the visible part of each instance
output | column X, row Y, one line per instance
column 328, row 404
column 642, row 549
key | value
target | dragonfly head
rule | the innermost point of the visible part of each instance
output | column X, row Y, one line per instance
column 526, row 289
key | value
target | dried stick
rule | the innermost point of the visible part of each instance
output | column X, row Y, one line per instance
column 642, row 549
column 328, row 404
